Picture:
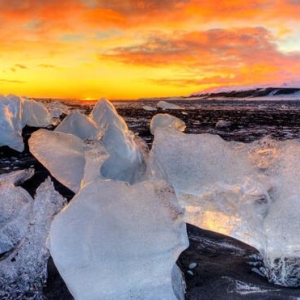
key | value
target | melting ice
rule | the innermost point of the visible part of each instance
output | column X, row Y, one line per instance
column 247, row 191
column 25, row 224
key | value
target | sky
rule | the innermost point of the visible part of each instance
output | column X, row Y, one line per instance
column 128, row 49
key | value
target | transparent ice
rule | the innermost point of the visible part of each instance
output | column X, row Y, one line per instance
column 17, row 112
column 62, row 154
column 167, row 105
column 15, row 209
column 80, row 125
column 247, row 191
column 166, row 120
column 120, row 241
column 104, row 113
column 23, row 267
column 127, row 157
column 149, row 108
column 57, row 109
column 35, row 114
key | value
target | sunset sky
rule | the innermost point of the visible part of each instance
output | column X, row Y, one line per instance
column 126, row 49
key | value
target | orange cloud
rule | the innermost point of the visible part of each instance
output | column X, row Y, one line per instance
column 154, row 44
column 244, row 53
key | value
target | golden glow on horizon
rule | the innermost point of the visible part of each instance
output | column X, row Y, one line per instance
column 88, row 49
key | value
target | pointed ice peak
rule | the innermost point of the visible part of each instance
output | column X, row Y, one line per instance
column 78, row 124
column 104, row 113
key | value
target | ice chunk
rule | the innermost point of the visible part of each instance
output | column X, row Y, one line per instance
column 23, row 271
column 167, row 105
column 200, row 159
column 127, row 153
column 104, row 113
column 116, row 241
column 16, row 177
column 15, row 209
column 220, row 189
column 11, row 123
column 57, row 108
column 166, row 120
column 15, row 113
column 35, row 114
column 282, row 223
column 247, row 191
column 62, row 154
column 222, row 124
column 127, row 160
column 70, row 160
column 95, row 155
column 149, row 108
column 79, row 125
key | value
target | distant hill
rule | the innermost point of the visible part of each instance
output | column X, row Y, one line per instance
column 273, row 92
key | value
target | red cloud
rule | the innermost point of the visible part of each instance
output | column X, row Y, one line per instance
column 245, row 54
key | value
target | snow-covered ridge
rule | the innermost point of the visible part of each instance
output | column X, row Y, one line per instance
column 251, row 92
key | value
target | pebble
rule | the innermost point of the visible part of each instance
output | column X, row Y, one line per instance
column 192, row 265
column 190, row 273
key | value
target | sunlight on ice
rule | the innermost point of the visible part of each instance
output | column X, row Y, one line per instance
column 248, row 191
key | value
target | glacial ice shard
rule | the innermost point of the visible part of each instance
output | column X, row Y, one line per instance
column 15, row 113
column 220, row 189
column 23, row 270
column 104, row 113
column 167, row 105
column 149, row 108
column 127, row 158
column 116, row 241
column 127, row 152
column 11, row 123
column 166, row 121
column 35, row 114
column 280, row 160
column 247, row 191
column 95, row 155
column 80, row 125
column 15, row 209
column 69, row 159
column 62, row 154
column 57, row 109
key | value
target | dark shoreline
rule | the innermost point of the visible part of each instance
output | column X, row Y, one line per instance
column 218, row 266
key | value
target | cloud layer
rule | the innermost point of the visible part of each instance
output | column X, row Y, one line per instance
column 160, row 46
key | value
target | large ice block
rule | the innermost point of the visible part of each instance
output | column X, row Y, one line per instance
column 15, row 209
column 15, row 113
column 104, row 113
column 35, row 114
column 80, row 125
column 62, row 154
column 23, row 270
column 120, row 241
column 11, row 123
column 247, row 191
